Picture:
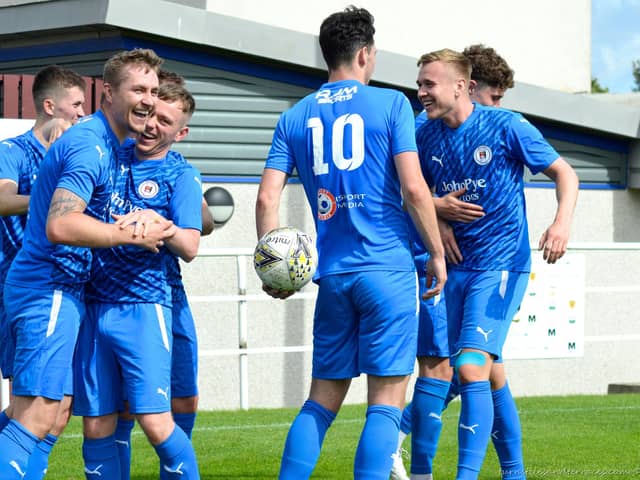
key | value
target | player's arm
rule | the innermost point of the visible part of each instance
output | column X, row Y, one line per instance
column 68, row 224
column 419, row 204
column 11, row 203
column 267, row 213
column 555, row 238
column 268, row 201
column 207, row 219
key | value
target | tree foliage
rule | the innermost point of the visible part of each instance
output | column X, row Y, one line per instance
column 635, row 65
column 597, row 88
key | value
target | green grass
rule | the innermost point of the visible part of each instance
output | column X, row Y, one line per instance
column 578, row 437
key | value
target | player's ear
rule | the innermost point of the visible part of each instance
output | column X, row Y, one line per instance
column 362, row 57
column 472, row 86
column 184, row 131
column 461, row 86
column 48, row 105
column 107, row 92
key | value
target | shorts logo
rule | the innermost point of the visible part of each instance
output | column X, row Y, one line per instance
column 482, row 155
column 326, row 204
column 148, row 189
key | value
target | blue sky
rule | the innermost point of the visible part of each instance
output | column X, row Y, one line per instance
column 615, row 42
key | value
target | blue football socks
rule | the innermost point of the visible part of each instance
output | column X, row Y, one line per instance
column 507, row 435
column 406, row 420
column 16, row 445
column 177, row 457
column 101, row 459
column 304, row 441
column 39, row 459
column 428, row 402
column 378, row 443
column 123, row 442
column 474, row 428
column 185, row 421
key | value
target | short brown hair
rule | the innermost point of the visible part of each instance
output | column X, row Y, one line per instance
column 489, row 67
column 446, row 55
column 113, row 73
column 173, row 92
column 49, row 83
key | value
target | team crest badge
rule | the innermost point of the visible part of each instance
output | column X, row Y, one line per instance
column 148, row 189
column 482, row 155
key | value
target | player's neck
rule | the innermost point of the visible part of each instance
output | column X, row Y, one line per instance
column 458, row 115
column 154, row 156
column 344, row 73
column 37, row 129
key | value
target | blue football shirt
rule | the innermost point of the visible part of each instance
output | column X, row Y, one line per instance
column 171, row 187
column 487, row 155
column 20, row 159
column 80, row 161
column 342, row 140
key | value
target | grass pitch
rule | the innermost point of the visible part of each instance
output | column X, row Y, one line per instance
column 565, row 438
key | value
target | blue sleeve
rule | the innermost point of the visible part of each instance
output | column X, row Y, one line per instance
column 280, row 155
column 420, row 119
column 185, row 208
column 527, row 144
column 421, row 137
column 85, row 162
column 403, row 132
column 12, row 158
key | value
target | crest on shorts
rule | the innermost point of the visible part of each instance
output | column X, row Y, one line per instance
column 482, row 155
column 148, row 189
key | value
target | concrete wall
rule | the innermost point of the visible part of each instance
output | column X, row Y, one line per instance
column 547, row 43
column 278, row 379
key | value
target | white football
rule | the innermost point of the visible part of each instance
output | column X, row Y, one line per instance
column 285, row 259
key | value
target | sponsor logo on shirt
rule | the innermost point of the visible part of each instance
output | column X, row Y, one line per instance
column 472, row 186
column 148, row 189
column 326, row 204
column 482, row 155
column 340, row 95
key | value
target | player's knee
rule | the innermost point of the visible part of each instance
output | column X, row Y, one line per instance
column 99, row 427
column 470, row 366
column 156, row 426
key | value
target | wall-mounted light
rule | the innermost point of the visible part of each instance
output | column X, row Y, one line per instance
column 220, row 204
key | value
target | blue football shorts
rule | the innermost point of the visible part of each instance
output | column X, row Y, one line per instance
column 433, row 340
column 365, row 322
column 184, row 360
column 480, row 308
column 124, row 352
column 44, row 325
column 7, row 345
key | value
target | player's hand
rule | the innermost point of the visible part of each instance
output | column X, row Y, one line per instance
column 451, row 208
column 553, row 242
column 436, row 276
column 451, row 249
column 275, row 293
column 52, row 130
column 141, row 221
column 155, row 235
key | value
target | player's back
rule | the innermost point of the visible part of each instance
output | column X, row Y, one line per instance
column 80, row 161
column 342, row 140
